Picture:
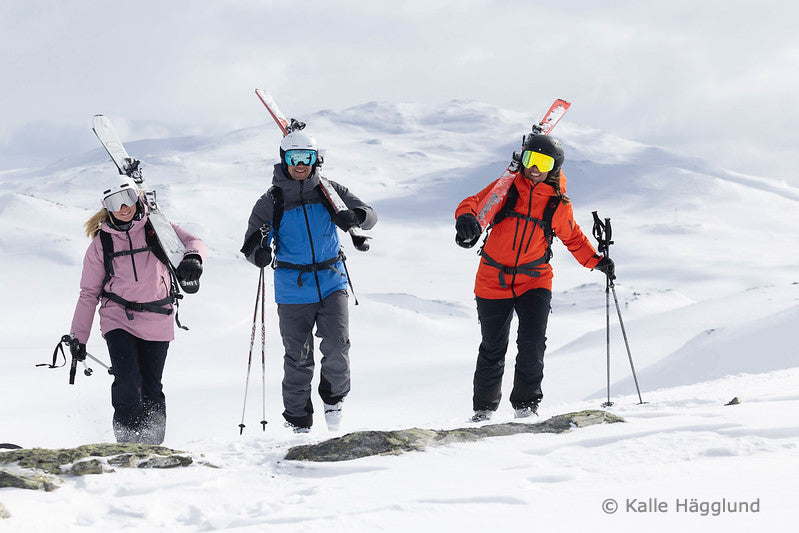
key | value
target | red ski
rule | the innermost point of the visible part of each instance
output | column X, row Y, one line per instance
column 496, row 197
column 359, row 240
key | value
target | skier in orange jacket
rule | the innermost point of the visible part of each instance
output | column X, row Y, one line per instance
column 515, row 274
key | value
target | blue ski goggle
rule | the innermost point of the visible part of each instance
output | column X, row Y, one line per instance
column 300, row 157
column 114, row 202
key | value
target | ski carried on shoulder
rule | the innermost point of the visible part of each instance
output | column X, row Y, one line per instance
column 492, row 203
column 359, row 239
column 169, row 240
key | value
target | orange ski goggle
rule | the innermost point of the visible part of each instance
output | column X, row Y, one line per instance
column 544, row 162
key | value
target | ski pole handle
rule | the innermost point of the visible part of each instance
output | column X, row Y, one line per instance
column 602, row 232
column 72, row 368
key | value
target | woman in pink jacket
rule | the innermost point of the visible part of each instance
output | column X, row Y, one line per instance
column 136, row 296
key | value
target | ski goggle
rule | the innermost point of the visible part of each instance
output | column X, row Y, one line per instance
column 544, row 162
column 296, row 157
column 114, row 202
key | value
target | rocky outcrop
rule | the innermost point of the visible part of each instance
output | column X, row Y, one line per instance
column 367, row 443
column 40, row 468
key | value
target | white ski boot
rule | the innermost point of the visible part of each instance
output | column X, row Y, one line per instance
column 333, row 416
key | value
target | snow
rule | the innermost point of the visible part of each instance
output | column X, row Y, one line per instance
column 707, row 284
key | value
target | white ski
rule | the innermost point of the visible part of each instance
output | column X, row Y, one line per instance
column 164, row 231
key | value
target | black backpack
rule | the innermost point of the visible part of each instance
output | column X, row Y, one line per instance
column 154, row 246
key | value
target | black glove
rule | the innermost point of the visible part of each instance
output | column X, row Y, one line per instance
column 467, row 230
column 262, row 257
column 607, row 267
column 190, row 269
column 77, row 349
column 349, row 218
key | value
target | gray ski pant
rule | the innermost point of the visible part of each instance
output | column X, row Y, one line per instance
column 331, row 317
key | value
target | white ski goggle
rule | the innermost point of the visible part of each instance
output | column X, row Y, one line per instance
column 114, row 202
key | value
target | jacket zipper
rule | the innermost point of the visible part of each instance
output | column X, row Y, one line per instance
column 132, row 260
column 310, row 238
column 524, row 231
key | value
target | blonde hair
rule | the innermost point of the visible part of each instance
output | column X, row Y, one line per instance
column 93, row 225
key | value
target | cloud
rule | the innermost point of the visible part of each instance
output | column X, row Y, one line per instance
column 693, row 76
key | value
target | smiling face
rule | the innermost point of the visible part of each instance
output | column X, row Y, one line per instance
column 299, row 172
column 125, row 213
column 533, row 174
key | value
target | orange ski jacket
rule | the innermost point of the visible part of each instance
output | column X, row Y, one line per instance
column 515, row 256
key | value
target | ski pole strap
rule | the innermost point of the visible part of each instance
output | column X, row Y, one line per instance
column 176, row 305
column 349, row 279
column 532, row 269
column 58, row 347
column 603, row 233
column 314, row 267
column 256, row 238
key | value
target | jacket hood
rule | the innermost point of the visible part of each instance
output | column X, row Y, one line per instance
column 135, row 224
column 523, row 185
column 290, row 186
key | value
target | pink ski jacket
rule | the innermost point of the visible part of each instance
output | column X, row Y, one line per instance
column 138, row 277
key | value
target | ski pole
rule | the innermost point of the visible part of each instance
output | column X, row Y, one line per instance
column 626, row 344
column 263, row 353
column 603, row 233
column 252, row 343
column 70, row 341
column 607, row 336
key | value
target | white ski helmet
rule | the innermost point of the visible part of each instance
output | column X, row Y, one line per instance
column 118, row 191
column 299, row 140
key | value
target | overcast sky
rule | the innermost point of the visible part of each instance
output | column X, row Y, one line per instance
column 714, row 79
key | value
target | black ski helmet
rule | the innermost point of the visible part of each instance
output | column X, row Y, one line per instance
column 544, row 144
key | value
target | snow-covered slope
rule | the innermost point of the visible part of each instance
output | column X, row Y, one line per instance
column 706, row 264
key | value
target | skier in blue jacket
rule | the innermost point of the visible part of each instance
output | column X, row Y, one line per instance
column 310, row 278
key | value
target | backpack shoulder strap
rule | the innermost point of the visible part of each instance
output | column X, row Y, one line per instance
column 277, row 206
column 549, row 212
column 108, row 254
column 510, row 202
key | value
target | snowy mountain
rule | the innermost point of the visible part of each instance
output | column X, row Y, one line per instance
column 706, row 264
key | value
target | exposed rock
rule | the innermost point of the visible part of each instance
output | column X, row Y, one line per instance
column 28, row 479
column 734, row 401
column 165, row 461
column 4, row 512
column 367, row 443
column 86, row 466
column 36, row 468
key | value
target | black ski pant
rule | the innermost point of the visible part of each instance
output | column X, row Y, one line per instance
column 331, row 318
column 532, row 309
column 137, row 393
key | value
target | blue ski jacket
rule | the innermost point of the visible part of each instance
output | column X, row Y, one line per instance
column 308, row 261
